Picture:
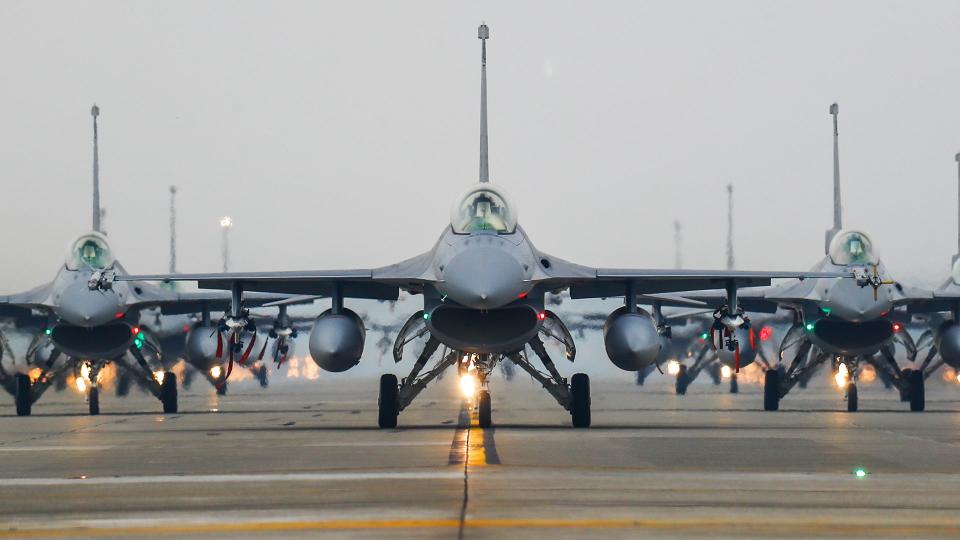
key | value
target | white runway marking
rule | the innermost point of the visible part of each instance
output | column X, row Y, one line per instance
column 233, row 478
column 52, row 448
column 380, row 443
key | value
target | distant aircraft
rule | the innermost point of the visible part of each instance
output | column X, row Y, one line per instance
column 840, row 320
column 86, row 328
column 483, row 286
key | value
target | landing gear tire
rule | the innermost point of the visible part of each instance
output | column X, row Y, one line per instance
column 682, row 381
column 222, row 389
column 580, row 400
column 168, row 392
column 484, row 415
column 123, row 385
column 906, row 375
column 734, row 387
column 93, row 400
column 262, row 376
column 917, row 392
column 852, row 397
column 24, row 395
column 771, row 390
column 389, row 402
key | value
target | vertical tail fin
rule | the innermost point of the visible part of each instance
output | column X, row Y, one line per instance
column 173, row 229
column 95, row 112
column 730, row 261
column 483, row 33
column 678, row 244
column 837, row 208
column 957, row 255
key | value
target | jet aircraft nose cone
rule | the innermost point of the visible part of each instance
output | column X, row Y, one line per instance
column 483, row 277
column 82, row 307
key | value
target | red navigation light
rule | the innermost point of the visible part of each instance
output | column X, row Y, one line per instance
column 766, row 333
column 118, row 315
column 135, row 330
column 542, row 315
column 522, row 295
column 896, row 327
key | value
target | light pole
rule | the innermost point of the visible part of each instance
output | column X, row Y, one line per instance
column 226, row 222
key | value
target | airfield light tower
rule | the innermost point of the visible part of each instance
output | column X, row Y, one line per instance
column 678, row 244
column 730, row 262
column 226, row 223
column 95, row 113
column 173, row 229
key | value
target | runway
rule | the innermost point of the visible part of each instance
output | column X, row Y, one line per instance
column 305, row 460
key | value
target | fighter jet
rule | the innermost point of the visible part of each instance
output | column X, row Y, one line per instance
column 483, row 286
column 84, row 328
column 837, row 320
column 944, row 338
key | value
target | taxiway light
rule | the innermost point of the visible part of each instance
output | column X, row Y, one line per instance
column 467, row 386
column 860, row 472
column 673, row 367
column 725, row 372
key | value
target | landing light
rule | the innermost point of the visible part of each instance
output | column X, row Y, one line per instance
column 468, row 385
column 158, row 375
column 81, row 384
column 673, row 367
column 841, row 376
column 958, row 377
column 215, row 372
column 725, row 372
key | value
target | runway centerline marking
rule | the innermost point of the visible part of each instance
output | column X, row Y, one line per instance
column 52, row 448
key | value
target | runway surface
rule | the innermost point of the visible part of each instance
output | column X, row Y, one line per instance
column 305, row 460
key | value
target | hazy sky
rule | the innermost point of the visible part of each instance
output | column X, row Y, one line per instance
column 338, row 134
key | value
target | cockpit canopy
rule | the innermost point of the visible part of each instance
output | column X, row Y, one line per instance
column 90, row 251
column 852, row 248
column 484, row 207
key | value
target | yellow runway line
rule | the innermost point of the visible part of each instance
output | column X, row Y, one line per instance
column 745, row 526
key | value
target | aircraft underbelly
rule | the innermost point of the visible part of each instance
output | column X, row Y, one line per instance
column 104, row 342
column 491, row 331
column 849, row 338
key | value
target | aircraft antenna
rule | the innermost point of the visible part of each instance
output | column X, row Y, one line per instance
column 173, row 229
column 483, row 33
column 95, row 112
column 730, row 261
column 678, row 244
column 837, row 213
column 226, row 223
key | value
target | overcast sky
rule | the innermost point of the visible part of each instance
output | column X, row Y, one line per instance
column 338, row 134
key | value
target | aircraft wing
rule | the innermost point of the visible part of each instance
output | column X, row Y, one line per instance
column 19, row 306
column 177, row 302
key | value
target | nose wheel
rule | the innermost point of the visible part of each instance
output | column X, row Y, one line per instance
column 852, row 397
column 484, row 413
column 168, row 392
column 771, row 390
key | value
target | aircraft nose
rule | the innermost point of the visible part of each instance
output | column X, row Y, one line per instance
column 82, row 307
column 484, row 277
column 850, row 302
